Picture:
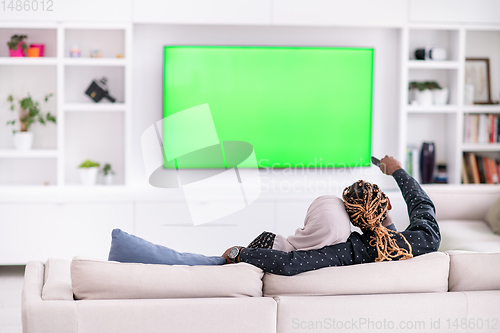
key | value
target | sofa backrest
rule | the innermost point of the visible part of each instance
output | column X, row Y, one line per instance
column 425, row 273
column 94, row 279
column 474, row 271
column 456, row 202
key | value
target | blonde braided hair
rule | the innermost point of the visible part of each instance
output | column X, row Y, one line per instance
column 367, row 207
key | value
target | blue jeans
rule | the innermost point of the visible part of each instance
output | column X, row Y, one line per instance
column 132, row 249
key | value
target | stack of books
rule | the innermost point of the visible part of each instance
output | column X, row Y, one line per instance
column 479, row 169
column 482, row 128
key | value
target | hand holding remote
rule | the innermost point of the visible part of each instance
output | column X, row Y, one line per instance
column 389, row 164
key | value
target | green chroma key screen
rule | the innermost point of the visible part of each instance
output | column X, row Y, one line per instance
column 297, row 106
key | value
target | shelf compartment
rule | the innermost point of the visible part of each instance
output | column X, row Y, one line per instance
column 443, row 38
column 78, row 79
column 446, row 78
column 111, row 42
column 28, row 171
column 493, row 147
column 35, row 153
column 46, row 36
column 432, row 109
column 431, row 64
column 95, row 107
column 99, row 137
column 95, row 61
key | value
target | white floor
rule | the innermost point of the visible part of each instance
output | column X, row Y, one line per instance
column 11, row 285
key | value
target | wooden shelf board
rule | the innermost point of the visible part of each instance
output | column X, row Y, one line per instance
column 25, row 61
column 430, row 64
column 35, row 153
column 95, row 107
column 95, row 61
column 473, row 147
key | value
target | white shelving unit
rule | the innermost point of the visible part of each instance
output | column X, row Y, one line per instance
column 444, row 125
column 84, row 130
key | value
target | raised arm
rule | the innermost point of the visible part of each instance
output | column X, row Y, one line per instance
column 423, row 232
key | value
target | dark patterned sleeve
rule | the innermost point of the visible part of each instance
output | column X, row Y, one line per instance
column 423, row 232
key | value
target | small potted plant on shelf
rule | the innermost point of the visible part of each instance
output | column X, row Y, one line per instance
column 423, row 93
column 439, row 95
column 17, row 46
column 108, row 173
column 29, row 114
column 88, row 172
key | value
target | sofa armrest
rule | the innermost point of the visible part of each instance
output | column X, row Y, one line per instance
column 44, row 316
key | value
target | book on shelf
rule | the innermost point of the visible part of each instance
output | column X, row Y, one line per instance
column 482, row 128
column 413, row 162
column 480, row 169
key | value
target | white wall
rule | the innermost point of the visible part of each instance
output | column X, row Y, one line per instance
column 148, row 73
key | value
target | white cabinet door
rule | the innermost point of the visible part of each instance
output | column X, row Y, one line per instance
column 456, row 11
column 340, row 12
column 66, row 10
column 202, row 11
column 41, row 231
column 169, row 224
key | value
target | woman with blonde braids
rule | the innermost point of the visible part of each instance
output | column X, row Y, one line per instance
column 367, row 207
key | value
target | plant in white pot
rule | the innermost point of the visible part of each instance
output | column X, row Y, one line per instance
column 439, row 95
column 423, row 92
column 108, row 173
column 29, row 114
column 88, row 172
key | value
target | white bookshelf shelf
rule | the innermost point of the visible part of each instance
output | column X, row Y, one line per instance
column 95, row 61
column 482, row 108
column 432, row 109
column 95, row 107
column 35, row 153
column 481, row 147
column 429, row 64
column 22, row 61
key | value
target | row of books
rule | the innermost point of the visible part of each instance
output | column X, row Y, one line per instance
column 482, row 128
column 479, row 169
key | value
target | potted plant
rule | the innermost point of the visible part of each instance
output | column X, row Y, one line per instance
column 29, row 114
column 108, row 173
column 17, row 46
column 439, row 95
column 88, row 172
column 423, row 93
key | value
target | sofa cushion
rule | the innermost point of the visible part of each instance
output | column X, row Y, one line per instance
column 57, row 281
column 425, row 273
column 469, row 235
column 473, row 271
column 93, row 279
column 493, row 217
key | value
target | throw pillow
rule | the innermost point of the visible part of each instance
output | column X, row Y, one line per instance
column 493, row 217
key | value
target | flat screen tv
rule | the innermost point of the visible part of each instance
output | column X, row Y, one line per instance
column 297, row 106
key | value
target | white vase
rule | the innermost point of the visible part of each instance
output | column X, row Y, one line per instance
column 469, row 94
column 424, row 97
column 108, row 179
column 440, row 96
column 23, row 140
column 88, row 176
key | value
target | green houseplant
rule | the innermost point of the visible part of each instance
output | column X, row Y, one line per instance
column 29, row 113
column 88, row 172
column 108, row 173
column 17, row 46
column 424, row 92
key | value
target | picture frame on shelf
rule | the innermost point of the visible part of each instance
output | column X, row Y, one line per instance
column 477, row 74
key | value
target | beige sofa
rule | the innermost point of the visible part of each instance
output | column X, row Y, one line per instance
column 430, row 293
column 461, row 213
